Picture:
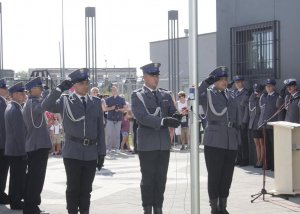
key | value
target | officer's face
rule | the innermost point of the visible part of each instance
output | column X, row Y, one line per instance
column 151, row 81
column 239, row 84
column 270, row 88
column 36, row 91
column 3, row 92
column 221, row 84
column 82, row 88
column 292, row 89
column 19, row 97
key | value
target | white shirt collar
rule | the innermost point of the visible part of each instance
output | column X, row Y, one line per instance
column 270, row 94
column 17, row 103
column 79, row 96
column 294, row 93
column 240, row 89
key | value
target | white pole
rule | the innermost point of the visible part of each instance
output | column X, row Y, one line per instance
column 63, row 40
column 193, row 65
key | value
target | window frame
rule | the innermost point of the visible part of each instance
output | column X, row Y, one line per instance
column 240, row 42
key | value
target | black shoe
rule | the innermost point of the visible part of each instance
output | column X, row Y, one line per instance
column 182, row 147
column 223, row 205
column 4, row 199
column 38, row 210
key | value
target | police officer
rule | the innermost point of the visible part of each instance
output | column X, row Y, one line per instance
column 291, row 100
column 268, row 107
column 220, row 136
column 3, row 160
column 15, row 145
column 153, row 108
column 82, row 119
column 242, row 96
column 254, row 113
column 37, row 146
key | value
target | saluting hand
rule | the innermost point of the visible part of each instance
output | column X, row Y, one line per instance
column 211, row 80
column 65, row 85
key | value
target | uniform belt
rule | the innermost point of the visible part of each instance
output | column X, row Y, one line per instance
column 84, row 142
column 223, row 123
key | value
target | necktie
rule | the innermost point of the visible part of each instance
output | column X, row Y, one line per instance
column 156, row 98
column 83, row 102
column 224, row 95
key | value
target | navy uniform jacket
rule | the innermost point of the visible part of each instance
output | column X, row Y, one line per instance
column 254, row 111
column 293, row 109
column 242, row 98
column 37, row 135
column 91, row 127
column 222, row 117
column 151, row 135
column 3, row 105
column 15, row 130
column 267, row 104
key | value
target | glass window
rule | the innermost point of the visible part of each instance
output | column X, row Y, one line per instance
column 255, row 50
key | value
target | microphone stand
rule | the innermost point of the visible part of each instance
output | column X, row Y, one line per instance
column 263, row 191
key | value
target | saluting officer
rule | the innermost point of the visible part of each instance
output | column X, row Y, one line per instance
column 82, row 119
column 37, row 146
column 242, row 96
column 220, row 136
column 15, row 146
column 292, row 99
column 3, row 160
column 268, row 107
column 153, row 109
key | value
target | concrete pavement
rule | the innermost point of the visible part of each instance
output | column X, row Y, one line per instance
column 116, row 188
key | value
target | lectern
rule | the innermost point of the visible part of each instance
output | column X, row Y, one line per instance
column 286, row 157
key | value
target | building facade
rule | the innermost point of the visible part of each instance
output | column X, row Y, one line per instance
column 206, row 59
column 259, row 38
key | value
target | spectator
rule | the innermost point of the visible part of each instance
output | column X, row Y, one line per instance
column 114, row 106
column 95, row 92
column 125, row 131
column 182, row 107
column 55, row 131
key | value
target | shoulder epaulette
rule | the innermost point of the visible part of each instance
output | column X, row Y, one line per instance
column 65, row 95
column 165, row 90
column 138, row 90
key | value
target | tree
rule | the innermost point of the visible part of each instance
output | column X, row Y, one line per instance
column 22, row 75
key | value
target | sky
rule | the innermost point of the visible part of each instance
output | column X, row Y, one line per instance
column 32, row 30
